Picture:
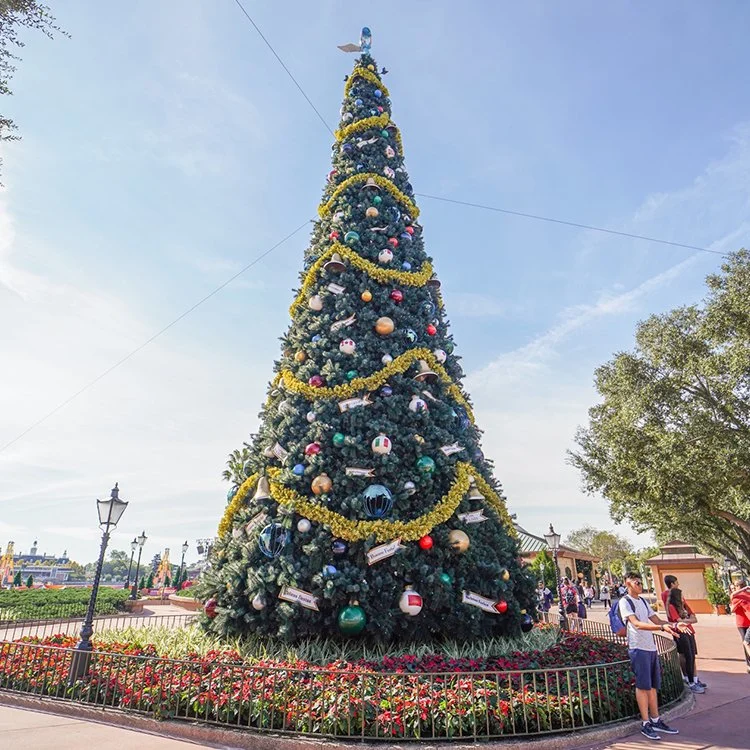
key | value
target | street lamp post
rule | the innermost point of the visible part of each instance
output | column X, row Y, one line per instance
column 133, row 545
column 185, row 547
column 553, row 542
column 141, row 540
column 110, row 511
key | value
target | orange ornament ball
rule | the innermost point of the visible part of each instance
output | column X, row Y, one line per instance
column 322, row 484
column 384, row 326
column 300, row 356
column 366, row 296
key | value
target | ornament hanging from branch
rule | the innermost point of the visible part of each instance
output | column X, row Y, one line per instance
column 298, row 596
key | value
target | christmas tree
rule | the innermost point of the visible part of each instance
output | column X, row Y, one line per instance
column 364, row 506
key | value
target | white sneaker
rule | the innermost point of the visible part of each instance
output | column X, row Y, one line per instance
column 696, row 688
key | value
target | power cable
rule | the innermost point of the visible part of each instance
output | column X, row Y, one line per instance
column 570, row 223
column 508, row 211
column 153, row 338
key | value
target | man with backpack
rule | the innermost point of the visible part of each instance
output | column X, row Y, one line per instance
column 632, row 616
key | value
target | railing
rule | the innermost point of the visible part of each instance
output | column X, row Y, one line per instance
column 341, row 703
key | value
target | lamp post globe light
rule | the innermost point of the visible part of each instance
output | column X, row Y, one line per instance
column 110, row 512
column 553, row 542
column 140, row 540
column 185, row 547
column 133, row 545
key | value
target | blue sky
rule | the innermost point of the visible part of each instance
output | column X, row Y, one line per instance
column 164, row 148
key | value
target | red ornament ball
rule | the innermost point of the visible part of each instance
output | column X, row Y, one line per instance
column 393, row 242
column 425, row 542
column 315, row 381
column 409, row 230
column 431, row 330
column 312, row 449
column 334, row 235
column 502, row 606
column 209, row 608
column 397, row 296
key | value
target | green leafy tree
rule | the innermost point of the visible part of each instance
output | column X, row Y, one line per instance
column 543, row 569
column 17, row 580
column 14, row 16
column 669, row 446
column 29, row 582
column 143, row 583
column 150, row 581
column 366, row 437
column 717, row 594
column 611, row 548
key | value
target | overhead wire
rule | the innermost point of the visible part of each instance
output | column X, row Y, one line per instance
column 510, row 212
column 163, row 330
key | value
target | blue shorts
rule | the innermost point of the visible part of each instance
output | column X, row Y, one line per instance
column 646, row 668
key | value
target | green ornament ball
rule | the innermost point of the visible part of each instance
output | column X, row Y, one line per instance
column 351, row 374
column 425, row 465
column 339, row 439
column 446, row 579
column 385, row 134
column 377, row 200
column 352, row 620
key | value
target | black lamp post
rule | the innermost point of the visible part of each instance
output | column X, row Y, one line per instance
column 140, row 540
column 185, row 547
column 553, row 542
column 133, row 545
column 110, row 511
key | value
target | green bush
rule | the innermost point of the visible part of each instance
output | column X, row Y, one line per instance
column 46, row 604
column 717, row 594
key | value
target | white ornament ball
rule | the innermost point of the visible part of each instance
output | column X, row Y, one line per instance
column 259, row 602
column 386, row 359
column 388, row 172
column 417, row 404
column 315, row 302
column 410, row 488
column 440, row 355
column 303, row 525
column 385, row 255
column 381, row 445
column 410, row 602
column 311, row 416
column 347, row 346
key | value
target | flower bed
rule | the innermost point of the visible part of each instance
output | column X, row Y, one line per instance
column 580, row 682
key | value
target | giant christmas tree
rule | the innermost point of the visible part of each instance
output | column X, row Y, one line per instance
column 364, row 506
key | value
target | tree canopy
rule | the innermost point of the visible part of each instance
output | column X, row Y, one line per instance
column 612, row 548
column 669, row 445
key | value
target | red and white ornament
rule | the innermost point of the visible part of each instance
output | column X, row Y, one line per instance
column 411, row 602
column 347, row 346
column 388, row 172
column 389, row 152
column 312, row 449
column 381, row 445
column 440, row 355
column 385, row 256
column 397, row 296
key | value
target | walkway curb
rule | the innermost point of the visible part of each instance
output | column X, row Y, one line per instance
column 216, row 736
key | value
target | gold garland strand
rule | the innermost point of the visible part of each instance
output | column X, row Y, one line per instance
column 355, row 531
column 382, row 275
column 382, row 182
column 368, row 75
column 233, row 508
column 371, row 123
column 372, row 382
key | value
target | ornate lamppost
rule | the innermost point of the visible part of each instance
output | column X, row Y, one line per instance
column 133, row 545
column 185, row 547
column 141, row 540
column 110, row 511
column 553, row 542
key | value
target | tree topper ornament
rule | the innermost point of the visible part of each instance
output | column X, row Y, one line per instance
column 364, row 46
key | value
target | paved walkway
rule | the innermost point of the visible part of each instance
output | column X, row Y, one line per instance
column 718, row 722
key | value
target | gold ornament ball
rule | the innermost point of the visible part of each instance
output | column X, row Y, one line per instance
column 384, row 326
column 371, row 212
column 322, row 484
column 506, row 575
column 366, row 296
column 459, row 540
column 523, row 611
column 300, row 356
column 370, row 67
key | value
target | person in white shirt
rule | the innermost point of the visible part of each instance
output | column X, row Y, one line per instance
column 642, row 622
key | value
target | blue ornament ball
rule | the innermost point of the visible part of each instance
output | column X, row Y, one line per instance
column 377, row 93
column 462, row 418
column 386, row 391
column 358, row 102
column 273, row 539
column 299, row 469
column 231, row 492
column 405, row 236
column 339, row 547
column 315, row 338
column 329, row 571
column 428, row 308
column 527, row 623
column 406, row 265
column 350, row 237
column 347, row 147
column 378, row 500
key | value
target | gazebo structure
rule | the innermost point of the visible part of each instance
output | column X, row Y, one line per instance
column 573, row 563
column 683, row 560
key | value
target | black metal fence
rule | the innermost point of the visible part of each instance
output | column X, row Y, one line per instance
column 340, row 703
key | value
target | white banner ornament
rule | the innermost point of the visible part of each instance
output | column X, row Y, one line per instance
column 355, row 471
column 476, row 600
column 298, row 596
column 351, row 403
column 384, row 551
column 474, row 516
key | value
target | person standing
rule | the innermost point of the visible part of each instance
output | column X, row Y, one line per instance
column 740, row 605
column 588, row 593
column 570, row 603
column 678, row 610
column 604, row 596
column 642, row 622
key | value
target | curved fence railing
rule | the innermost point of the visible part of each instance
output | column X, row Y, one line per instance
column 352, row 703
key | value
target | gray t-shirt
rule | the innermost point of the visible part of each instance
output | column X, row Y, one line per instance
column 641, row 639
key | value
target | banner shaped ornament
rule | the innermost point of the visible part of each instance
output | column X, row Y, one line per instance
column 474, row 516
column 354, row 471
column 476, row 600
column 280, row 452
column 256, row 522
column 343, row 323
column 335, row 288
column 363, row 143
column 378, row 229
column 298, row 596
column 384, row 551
column 449, row 450
column 351, row 403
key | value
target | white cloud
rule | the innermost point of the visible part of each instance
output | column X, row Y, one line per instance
column 474, row 305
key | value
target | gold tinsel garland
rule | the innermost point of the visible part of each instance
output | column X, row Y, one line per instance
column 372, row 382
column 380, row 274
column 383, row 182
column 356, row 531
column 368, row 75
column 370, row 123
